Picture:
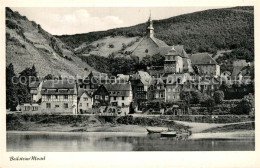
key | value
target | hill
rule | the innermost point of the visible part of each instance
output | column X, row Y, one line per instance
column 107, row 46
column 28, row 44
column 205, row 31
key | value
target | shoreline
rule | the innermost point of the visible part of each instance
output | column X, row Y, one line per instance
column 238, row 135
column 57, row 123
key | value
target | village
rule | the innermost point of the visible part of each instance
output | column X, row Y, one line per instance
column 159, row 90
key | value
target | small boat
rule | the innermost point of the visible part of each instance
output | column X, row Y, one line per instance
column 156, row 130
column 169, row 134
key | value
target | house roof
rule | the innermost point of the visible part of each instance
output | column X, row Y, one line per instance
column 158, row 42
column 244, row 70
column 202, row 59
column 143, row 76
column 212, row 81
column 58, row 87
column 157, row 81
column 123, row 77
column 58, row 84
column 81, row 92
column 118, row 89
column 226, row 72
column 34, row 84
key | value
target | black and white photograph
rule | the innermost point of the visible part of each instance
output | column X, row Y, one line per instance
column 129, row 79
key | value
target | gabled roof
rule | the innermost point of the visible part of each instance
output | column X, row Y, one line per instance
column 158, row 42
column 180, row 50
column 157, row 81
column 81, row 92
column 58, row 84
column 177, row 50
column 118, row 89
column 202, row 59
column 123, row 77
column 34, row 84
column 143, row 76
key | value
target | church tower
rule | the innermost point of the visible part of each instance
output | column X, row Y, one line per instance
column 150, row 29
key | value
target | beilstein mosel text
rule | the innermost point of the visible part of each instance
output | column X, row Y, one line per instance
column 31, row 158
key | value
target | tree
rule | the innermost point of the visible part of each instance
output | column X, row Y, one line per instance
column 209, row 103
column 196, row 97
column 26, row 77
column 219, row 96
column 11, row 89
column 49, row 77
column 123, row 46
column 186, row 96
column 245, row 106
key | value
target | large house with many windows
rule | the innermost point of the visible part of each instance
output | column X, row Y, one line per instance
column 59, row 96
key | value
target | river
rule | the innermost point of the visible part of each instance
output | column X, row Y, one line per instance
column 124, row 141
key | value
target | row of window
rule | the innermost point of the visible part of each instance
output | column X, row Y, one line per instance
column 173, row 97
column 28, row 108
column 57, row 96
column 158, row 87
column 173, row 90
column 107, row 97
column 65, row 105
column 80, row 104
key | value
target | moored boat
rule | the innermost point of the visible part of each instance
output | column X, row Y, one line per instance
column 169, row 134
column 156, row 130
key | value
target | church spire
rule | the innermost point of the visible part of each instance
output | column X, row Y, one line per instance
column 149, row 31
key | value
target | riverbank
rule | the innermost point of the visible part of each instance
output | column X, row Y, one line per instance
column 81, row 123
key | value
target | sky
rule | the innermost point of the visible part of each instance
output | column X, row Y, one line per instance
column 65, row 20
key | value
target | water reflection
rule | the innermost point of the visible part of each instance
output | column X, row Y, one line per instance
column 98, row 141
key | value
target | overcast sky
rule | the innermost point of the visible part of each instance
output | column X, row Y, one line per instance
column 59, row 21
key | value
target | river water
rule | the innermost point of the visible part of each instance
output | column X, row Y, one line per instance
column 123, row 141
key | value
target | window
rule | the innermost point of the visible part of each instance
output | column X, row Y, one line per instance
column 123, row 104
column 106, row 97
column 87, row 104
column 66, row 105
column 85, row 98
column 48, row 105
column 123, row 98
column 57, row 106
column 162, row 95
column 34, row 108
column 96, row 96
column 26, row 108
column 65, row 96
column 114, row 97
column 56, row 96
column 80, row 104
column 48, row 96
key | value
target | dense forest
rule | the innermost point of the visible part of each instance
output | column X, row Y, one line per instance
column 205, row 31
